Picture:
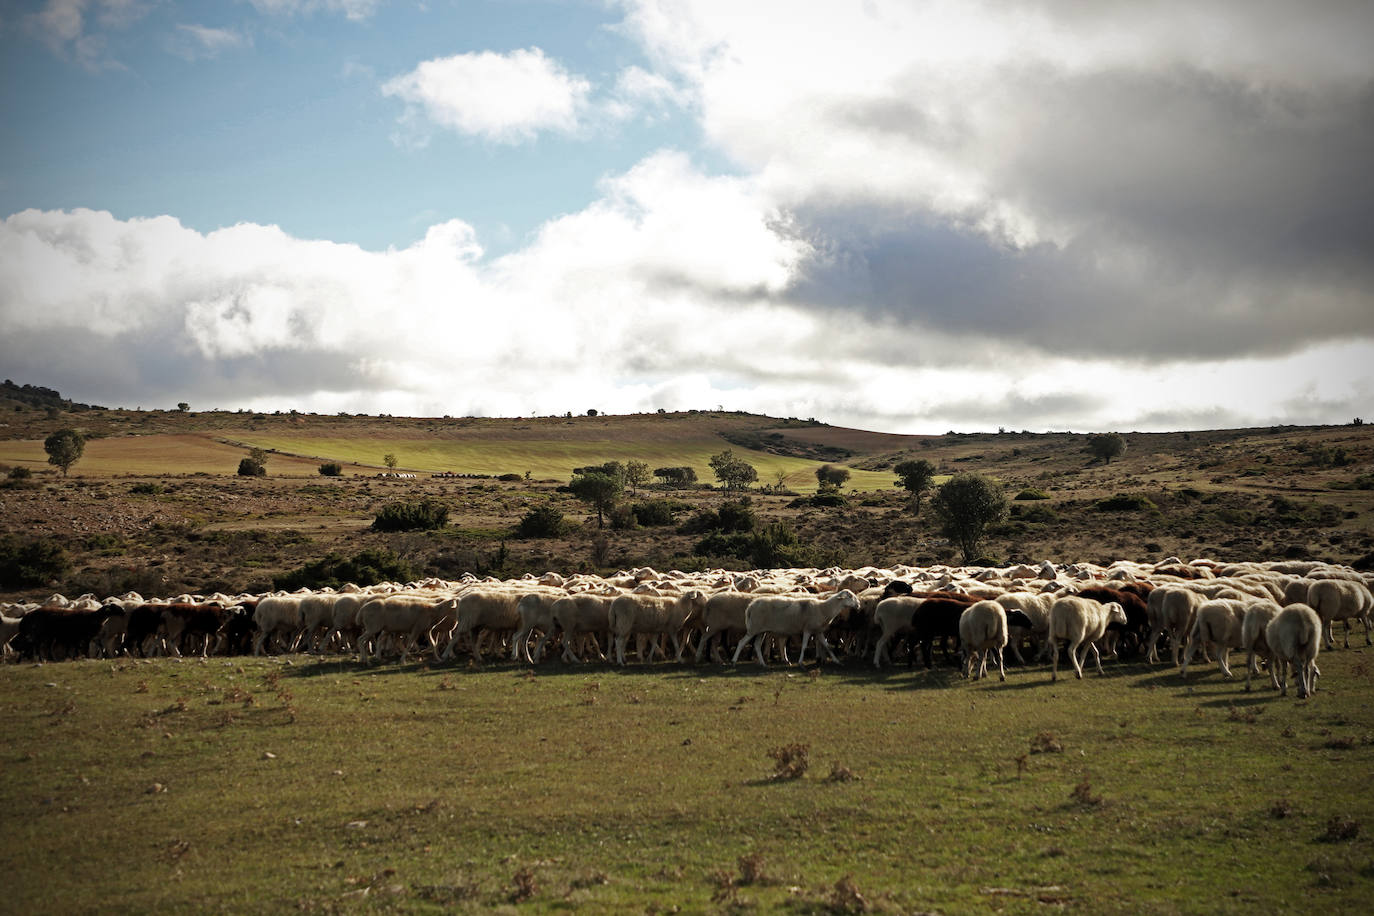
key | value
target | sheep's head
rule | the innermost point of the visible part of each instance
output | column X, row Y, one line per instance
column 1115, row 612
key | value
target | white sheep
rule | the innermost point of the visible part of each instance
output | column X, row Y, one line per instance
column 653, row 615
column 1081, row 622
column 983, row 629
column 1219, row 623
column 1253, row 639
column 1340, row 599
column 580, row 617
column 786, row 617
column 280, row 616
column 1171, row 609
column 1294, row 637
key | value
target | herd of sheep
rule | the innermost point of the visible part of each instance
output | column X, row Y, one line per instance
column 1279, row 613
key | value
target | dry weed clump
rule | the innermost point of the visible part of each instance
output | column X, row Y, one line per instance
column 524, row 886
column 790, row 761
column 845, row 897
column 1046, row 743
column 751, row 870
column 1281, row 809
column 1083, row 793
column 1340, row 828
column 1235, row 714
column 841, row 773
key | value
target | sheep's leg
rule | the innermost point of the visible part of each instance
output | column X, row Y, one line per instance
column 1224, row 660
column 878, row 652
column 521, row 636
column 823, row 642
column 1001, row 667
column 758, row 652
column 801, row 658
column 1076, row 658
column 1054, row 659
column 706, row 635
column 739, row 647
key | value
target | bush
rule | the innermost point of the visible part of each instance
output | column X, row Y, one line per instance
column 146, row 489
column 1123, row 502
column 622, row 517
column 732, row 516
column 510, row 478
column 1031, row 493
column 655, row 512
column 367, row 568
column 541, row 522
column 20, row 473
column 331, row 469
column 422, row 515
column 28, row 563
column 824, row 499
column 966, row 505
column 249, row 467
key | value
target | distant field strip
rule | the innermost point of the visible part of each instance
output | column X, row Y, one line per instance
column 157, row 454
column 556, row 458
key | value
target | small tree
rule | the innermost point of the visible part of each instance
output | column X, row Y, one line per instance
column 916, row 476
column 255, row 465
column 682, row 476
column 389, row 459
column 636, row 474
column 966, row 505
column 331, row 469
column 598, row 489
column 733, row 473
column 64, row 448
column 1106, row 446
column 183, row 406
column 831, row 477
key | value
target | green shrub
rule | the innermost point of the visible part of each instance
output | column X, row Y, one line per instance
column 248, row 467
column 1123, row 502
column 510, row 478
column 655, row 512
column 366, row 568
column 146, row 489
column 20, row 473
column 331, row 469
column 422, row 515
column 26, row 563
column 622, row 517
column 1031, row 493
column 732, row 516
column 541, row 522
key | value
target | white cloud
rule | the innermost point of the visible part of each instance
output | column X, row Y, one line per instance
column 65, row 26
column 505, row 98
column 355, row 10
column 196, row 42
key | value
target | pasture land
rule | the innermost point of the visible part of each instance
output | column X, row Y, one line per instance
column 266, row 785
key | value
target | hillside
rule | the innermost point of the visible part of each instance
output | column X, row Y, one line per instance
column 154, row 503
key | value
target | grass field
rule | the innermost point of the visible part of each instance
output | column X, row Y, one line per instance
column 282, row 784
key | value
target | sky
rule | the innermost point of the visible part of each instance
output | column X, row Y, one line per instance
column 902, row 216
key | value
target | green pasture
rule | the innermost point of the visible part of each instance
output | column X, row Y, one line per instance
column 556, row 458
column 289, row 784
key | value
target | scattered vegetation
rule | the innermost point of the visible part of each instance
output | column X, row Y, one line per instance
column 1124, row 502
column 368, row 567
column 414, row 515
column 542, row 522
column 26, row 562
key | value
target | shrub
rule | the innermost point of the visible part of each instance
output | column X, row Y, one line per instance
column 422, row 515
column 510, row 478
column 146, row 488
column 20, row 473
column 655, row 512
column 26, row 563
column 1123, row 502
column 1031, row 493
column 966, row 505
column 824, row 499
column 331, row 469
column 366, row 568
column 249, row 467
column 622, row 517
column 541, row 522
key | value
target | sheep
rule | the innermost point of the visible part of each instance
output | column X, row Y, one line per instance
column 482, row 609
column 1081, row 622
column 785, row 617
column 982, row 629
column 1035, row 610
column 1171, row 609
column 582, row 616
column 278, row 616
column 406, row 616
column 1340, row 599
column 659, row 615
column 535, row 610
column 1253, row 640
column 1294, row 637
column 724, row 615
column 1218, row 622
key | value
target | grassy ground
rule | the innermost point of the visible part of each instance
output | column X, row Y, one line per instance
column 275, row 784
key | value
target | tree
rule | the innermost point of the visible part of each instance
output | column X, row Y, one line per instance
column 733, row 473
column 331, row 469
column 831, row 477
column 966, row 505
column 917, row 476
column 679, row 477
column 183, row 406
column 64, row 448
column 255, row 465
column 636, row 474
column 1106, row 446
column 389, row 459
column 598, row 490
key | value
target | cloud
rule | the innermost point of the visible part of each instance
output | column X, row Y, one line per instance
column 504, row 98
column 354, row 10
column 1165, row 184
column 197, row 42
column 65, row 26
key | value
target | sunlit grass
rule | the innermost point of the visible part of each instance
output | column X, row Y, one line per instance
column 274, row 784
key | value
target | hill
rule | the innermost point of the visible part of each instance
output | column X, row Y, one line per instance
column 155, row 505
